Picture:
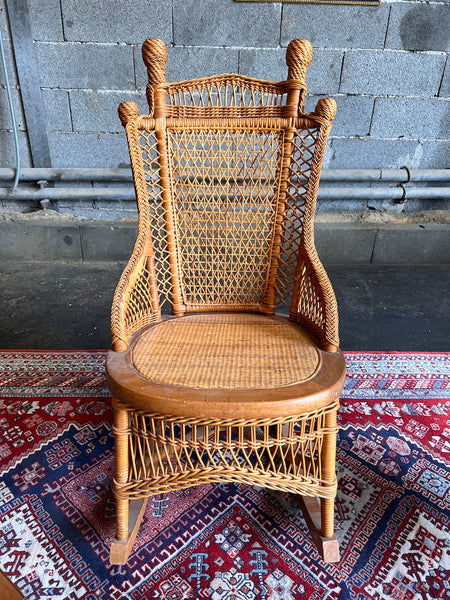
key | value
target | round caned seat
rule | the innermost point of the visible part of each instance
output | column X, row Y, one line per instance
column 223, row 351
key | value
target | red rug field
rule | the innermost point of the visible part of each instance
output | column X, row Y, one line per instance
column 225, row 542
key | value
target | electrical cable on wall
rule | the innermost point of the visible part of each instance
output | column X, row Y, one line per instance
column 13, row 117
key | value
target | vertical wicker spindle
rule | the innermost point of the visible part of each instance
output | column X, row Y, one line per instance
column 154, row 53
column 121, row 435
column 328, row 464
column 298, row 57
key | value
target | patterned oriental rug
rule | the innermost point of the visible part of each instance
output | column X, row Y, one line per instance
column 228, row 542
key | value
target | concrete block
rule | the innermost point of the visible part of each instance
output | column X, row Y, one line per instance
column 322, row 76
column 88, row 150
column 115, row 21
column 87, row 66
column 353, row 114
column 82, row 210
column 391, row 73
column 345, row 26
column 127, row 207
column 140, row 71
column 56, row 104
column 188, row 63
column 344, row 243
column 5, row 112
column 419, row 27
column 372, row 153
column 324, row 72
column 107, row 211
column 226, row 23
column 115, row 212
column 411, row 118
column 108, row 241
column 8, row 151
column 435, row 155
column 327, row 206
column 412, row 244
column 328, row 155
column 264, row 63
column 444, row 92
column 37, row 241
column 96, row 110
column 45, row 20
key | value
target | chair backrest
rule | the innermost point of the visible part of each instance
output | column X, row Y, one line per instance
column 226, row 171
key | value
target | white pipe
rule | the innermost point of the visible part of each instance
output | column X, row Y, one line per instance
column 126, row 193
column 328, row 175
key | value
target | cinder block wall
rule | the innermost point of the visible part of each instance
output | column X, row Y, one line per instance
column 387, row 67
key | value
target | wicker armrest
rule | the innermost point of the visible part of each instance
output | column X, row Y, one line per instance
column 313, row 300
column 314, row 303
column 135, row 302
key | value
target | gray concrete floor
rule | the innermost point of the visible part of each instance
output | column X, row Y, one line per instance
column 66, row 305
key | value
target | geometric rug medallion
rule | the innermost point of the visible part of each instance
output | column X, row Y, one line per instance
column 229, row 541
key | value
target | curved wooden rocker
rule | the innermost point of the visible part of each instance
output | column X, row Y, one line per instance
column 226, row 171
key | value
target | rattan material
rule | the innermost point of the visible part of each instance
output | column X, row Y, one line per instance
column 281, row 454
column 226, row 170
column 221, row 351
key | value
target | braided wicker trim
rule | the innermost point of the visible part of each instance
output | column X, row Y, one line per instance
column 238, row 423
column 163, row 484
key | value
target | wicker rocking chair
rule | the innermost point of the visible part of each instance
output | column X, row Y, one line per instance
column 226, row 171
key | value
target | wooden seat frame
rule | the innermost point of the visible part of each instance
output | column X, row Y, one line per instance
column 226, row 171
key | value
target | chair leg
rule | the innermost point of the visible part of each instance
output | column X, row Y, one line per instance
column 121, row 548
column 327, row 546
column 129, row 513
column 327, row 517
column 328, row 464
column 320, row 519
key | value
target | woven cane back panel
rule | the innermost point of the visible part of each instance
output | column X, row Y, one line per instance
column 222, row 351
column 225, row 190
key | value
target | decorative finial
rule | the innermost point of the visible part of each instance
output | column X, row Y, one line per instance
column 298, row 57
column 154, row 53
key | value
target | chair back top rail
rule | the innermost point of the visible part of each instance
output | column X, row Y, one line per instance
column 238, row 91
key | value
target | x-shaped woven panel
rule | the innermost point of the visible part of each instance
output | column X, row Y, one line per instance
column 225, row 186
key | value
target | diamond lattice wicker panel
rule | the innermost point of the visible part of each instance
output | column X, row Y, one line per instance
column 225, row 186
column 157, row 214
column 303, row 147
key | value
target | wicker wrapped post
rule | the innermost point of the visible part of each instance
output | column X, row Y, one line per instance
column 209, row 383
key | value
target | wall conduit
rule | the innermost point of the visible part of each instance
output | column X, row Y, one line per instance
column 336, row 184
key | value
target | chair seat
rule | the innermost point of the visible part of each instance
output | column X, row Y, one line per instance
column 223, row 351
column 225, row 365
